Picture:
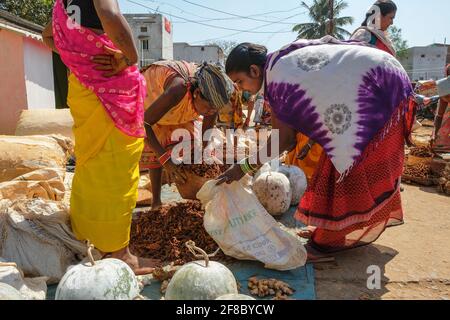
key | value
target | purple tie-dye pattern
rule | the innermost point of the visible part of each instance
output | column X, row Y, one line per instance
column 380, row 94
column 291, row 105
column 299, row 45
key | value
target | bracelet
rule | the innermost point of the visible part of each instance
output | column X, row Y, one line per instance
column 253, row 168
column 246, row 167
column 164, row 158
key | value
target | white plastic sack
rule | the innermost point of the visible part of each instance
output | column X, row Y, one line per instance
column 245, row 230
column 29, row 288
column 35, row 234
column 245, row 143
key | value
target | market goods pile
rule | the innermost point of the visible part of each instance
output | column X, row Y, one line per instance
column 421, row 171
column 209, row 171
column 418, row 167
column 162, row 234
column 422, row 152
column 444, row 181
column 269, row 287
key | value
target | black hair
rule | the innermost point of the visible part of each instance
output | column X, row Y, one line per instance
column 244, row 55
column 386, row 7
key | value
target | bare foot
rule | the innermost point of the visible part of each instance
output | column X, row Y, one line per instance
column 307, row 232
column 156, row 205
column 140, row 266
column 315, row 256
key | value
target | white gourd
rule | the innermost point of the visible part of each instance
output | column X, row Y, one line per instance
column 9, row 293
column 201, row 280
column 274, row 192
column 298, row 181
column 107, row 279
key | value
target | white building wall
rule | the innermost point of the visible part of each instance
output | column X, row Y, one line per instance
column 39, row 81
column 198, row 54
column 167, row 39
column 427, row 63
column 159, row 41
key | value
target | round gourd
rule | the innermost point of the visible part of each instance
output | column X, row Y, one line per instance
column 9, row 293
column 273, row 190
column 108, row 279
column 235, row 297
column 298, row 181
column 265, row 168
column 201, row 280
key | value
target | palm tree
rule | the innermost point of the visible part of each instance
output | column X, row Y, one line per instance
column 319, row 13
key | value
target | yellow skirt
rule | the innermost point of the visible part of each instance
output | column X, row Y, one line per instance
column 104, row 190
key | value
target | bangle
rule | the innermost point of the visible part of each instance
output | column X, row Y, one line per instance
column 246, row 167
column 164, row 158
column 253, row 168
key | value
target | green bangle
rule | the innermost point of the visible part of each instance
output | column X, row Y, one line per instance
column 245, row 167
column 249, row 166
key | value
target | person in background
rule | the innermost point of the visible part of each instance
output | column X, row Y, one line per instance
column 181, row 95
column 374, row 27
column 232, row 116
column 106, row 99
column 442, row 120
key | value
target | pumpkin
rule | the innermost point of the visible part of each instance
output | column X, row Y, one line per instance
column 235, row 297
column 298, row 181
column 108, row 279
column 273, row 190
column 201, row 280
column 9, row 293
column 264, row 169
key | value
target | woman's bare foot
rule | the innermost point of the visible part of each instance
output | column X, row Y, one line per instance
column 315, row 256
column 140, row 266
column 307, row 232
column 156, row 205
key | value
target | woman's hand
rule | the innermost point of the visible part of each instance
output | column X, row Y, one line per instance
column 233, row 174
column 114, row 62
column 175, row 173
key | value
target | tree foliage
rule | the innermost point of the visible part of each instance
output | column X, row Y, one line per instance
column 319, row 14
column 37, row 11
column 226, row 45
column 400, row 44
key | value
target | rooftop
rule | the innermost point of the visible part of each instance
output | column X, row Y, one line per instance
column 13, row 23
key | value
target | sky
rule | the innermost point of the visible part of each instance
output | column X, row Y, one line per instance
column 422, row 22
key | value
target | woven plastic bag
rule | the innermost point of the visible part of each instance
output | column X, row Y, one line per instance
column 243, row 229
column 30, row 288
column 35, row 234
column 45, row 183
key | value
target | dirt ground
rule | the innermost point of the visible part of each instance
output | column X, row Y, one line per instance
column 414, row 258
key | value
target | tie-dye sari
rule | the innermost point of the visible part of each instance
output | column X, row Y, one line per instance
column 354, row 101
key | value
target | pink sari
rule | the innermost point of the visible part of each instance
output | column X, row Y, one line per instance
column 122, row 95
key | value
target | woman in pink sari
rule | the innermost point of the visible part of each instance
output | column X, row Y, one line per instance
column 106, row 98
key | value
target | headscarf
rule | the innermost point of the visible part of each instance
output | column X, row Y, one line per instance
column 215, row 86
column 375, row 14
